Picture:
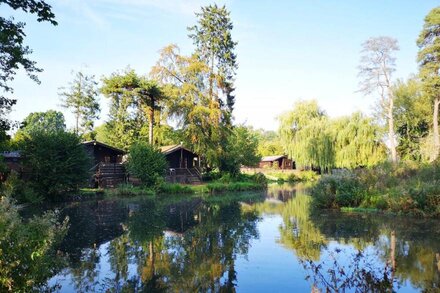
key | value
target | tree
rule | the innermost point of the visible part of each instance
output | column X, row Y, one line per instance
column 313, row 140
column 198, row 116
column 429, row 62
column 150, row 95
column 134, row 101
column 304, row 136
column 49, row 121
column 126, row 119
column 13, row 53
column 56, row 162
column 215, row 47
column 241, row 150
column 356, row 142
column 146, row 163
column 376, row 68
column 81, row 98
column 412, row 111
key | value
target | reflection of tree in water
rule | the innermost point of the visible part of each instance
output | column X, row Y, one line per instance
column 309, row 234
column 93, row 223
column 298, row 232
column 201, row 257
column 360, row 274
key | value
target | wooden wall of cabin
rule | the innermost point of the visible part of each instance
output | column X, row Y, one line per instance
column 174, row 159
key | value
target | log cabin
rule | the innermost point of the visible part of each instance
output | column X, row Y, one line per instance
column 279, row 162
column 107, row 169
column 183, row 164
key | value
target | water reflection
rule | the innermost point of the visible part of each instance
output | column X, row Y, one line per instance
column 213, row 245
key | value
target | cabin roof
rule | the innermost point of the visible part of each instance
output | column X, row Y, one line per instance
column 272, row 158
column 168, row 149
column 94, row 142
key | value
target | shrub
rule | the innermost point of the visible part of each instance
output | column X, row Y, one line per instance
column 19, row 190
column 56, row 162
column 28, row 257
column 339, row 190
column 146, row 163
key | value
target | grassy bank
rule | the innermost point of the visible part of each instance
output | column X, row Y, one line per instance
column 403, row 189
column 278, row 175
column 221, row 185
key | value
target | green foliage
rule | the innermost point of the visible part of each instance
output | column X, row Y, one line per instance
column 81, row 98
column 404, row 188
column 14, row 54
column 55, row 162
column 356, row 142
column 49, row 121
column 429, row 62
column 412, row 118
column 27, row 249
column 200, row 86
column 311, row 139
column 146, row 163
column 241, row 150
column 304, row 136
column 268, row 143
column 215, row 47
column 16, row 188
column 429, row 54
column 134, row 101
column 128, row 190
column 170, row 188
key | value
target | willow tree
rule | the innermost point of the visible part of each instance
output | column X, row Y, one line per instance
column 356, row 142
column 375, row 70
column 305, row 136
column 429, row 62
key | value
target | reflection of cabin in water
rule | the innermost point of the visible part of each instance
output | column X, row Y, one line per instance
column 107, row 168
column 183, row 164
column 280, row 162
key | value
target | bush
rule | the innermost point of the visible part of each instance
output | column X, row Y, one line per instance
column 146, row 163
column 339, row 190
column 28, row 257
column 55, row 162
column 19, row 190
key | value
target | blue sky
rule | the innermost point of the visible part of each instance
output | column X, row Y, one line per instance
column 286, row 51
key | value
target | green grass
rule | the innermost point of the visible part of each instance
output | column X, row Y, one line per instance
column 128, row 190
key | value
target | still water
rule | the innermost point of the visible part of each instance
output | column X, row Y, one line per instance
column 266, row 242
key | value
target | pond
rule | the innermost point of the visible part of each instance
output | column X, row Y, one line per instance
column 256, row 242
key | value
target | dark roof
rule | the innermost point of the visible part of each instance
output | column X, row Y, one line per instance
column 94, row 142
column 272, row 158
column 168, row 149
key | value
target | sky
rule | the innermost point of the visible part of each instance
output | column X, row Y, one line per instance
column 287, row 50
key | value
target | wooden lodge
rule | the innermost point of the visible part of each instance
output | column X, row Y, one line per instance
column 107, row 169
column 279, row 162
column 183, row 164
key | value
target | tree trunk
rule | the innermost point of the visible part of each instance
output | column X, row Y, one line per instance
column 435, row 129
column 393, row 257
column 391, row 135
column 151, row 123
